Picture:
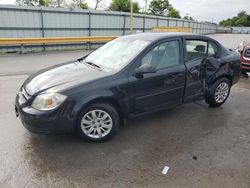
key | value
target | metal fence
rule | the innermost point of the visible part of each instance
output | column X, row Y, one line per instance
column 241, row 30
column 24, row 21
column 234, row 30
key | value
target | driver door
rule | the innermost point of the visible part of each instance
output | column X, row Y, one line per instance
column 163, row 88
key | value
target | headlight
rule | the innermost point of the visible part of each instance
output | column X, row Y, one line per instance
column 48, row 101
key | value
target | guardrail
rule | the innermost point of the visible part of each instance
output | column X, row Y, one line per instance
column 53, row 40
column 49, row 40
column 173, row 29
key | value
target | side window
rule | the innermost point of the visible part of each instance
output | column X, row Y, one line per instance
column 195, row 49
column 212, row 50
column 164, row 55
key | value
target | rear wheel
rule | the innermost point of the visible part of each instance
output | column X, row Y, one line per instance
column 218, row 92
column 98, row 122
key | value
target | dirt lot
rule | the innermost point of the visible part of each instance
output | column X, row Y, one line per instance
column 204, row 147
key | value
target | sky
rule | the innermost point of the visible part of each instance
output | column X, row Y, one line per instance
column 202, row 10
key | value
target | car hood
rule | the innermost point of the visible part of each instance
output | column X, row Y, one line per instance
column 62, row 76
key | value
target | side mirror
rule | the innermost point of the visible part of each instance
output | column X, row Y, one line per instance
column 144, row 69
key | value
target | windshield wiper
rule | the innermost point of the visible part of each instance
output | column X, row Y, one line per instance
column 92, row 64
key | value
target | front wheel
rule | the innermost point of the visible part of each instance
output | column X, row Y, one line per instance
column 98, row 122
column 218, row 92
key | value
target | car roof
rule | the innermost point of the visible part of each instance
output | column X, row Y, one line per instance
column 153, row 36
column 156, row 36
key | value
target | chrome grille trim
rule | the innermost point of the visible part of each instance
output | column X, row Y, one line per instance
column 246, row 65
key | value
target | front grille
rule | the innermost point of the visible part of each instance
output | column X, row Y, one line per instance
column 247, row 53
column 245, row 65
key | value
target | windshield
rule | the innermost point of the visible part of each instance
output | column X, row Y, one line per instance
column 116, row 54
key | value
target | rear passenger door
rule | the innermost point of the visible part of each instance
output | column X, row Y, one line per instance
column 195, row 53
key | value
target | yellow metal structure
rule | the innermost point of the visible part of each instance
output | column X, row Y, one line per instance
column 50, row 40
column 173, row 29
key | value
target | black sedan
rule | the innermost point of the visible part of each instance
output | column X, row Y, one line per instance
column 127, row 77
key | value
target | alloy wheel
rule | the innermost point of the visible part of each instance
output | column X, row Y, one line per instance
column 96, row 124
column 221, row 92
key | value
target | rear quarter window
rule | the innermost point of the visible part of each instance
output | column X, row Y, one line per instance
column 212, row 50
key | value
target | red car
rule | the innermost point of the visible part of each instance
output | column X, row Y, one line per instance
column 244, row 49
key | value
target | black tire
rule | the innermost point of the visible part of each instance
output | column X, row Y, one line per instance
column 210, row 95
column 105, row 107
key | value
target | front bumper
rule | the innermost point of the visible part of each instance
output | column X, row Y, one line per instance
column 245, row 66
column 60, row 120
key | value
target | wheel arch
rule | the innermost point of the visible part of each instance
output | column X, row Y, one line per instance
column 209, row 95
column 107, row 100
column 228, row 76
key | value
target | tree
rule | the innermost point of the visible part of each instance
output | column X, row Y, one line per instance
column 34, row 2
column 241, row 20
column 173, row 13
column 97, row 2
column 101, row 4
column 188, row 17
column 78, row 3
column 47, row 3
column 159, row 7
column 124, row 6
column 83, row 5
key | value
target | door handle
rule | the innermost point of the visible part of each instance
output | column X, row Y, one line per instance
column 174, row 75
column 194, row 71
column 179, row 74
column 169, row 81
